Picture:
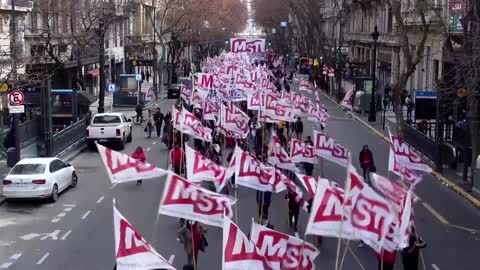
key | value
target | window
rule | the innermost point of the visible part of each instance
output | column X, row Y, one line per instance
column 56, row 165
column 107, row 119
column 22, row 169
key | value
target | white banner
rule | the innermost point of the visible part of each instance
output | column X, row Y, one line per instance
column 305, row 85
column 407, row 156
column 250, row 172
column 282, row 250
column 302, row 152
column 309, row 183
column 235, row 119
column 410, row 177
column 199, row 168
column 239, row 252
column 278, row 156
column 211, row 109
column 122, row 168
column 188, row 123
column 248, row 45
column 327, row 148
column 132, row 251
column 187, row 200
column 371, row 218
column 347, row 101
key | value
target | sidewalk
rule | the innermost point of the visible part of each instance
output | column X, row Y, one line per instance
column 449, row 177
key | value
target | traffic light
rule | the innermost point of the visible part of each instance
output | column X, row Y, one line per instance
column 269, row 43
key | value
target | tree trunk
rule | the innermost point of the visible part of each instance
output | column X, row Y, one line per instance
column 397, row 89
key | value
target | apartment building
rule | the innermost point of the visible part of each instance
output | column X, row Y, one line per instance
column 359, row 23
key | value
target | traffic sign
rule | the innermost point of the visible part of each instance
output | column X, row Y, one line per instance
column 3, row 88
column 462, row 92
column 16, row 109
column 16, row 97
column 138, row 77
column 112, row 87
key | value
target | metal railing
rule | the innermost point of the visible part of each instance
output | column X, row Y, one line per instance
column 68, row 136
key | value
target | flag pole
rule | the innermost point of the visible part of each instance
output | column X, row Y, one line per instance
column 347, row 190
column 344, row 253
column 193, row 248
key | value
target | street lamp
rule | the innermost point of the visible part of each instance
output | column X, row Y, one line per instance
column 372, row 114
column 174, row 46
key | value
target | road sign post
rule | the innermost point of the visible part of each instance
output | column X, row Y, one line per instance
column 138, row 78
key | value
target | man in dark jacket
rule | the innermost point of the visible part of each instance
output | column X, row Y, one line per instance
column 263, row 201
column 299, row 128
column 410, row 254
column 158, row 119
column 366, row 162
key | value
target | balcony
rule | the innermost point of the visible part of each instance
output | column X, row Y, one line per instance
column 387, row 39
column 20, row 5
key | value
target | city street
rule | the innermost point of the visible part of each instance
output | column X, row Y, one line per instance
column 76, row 232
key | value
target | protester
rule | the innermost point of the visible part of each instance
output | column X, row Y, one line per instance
column 149, row 125
column 293, row 210
column 366, row 162
column 143, row 76
column 192, row 236
column 139, row 155
column 158, row 118
column 410, row 254
column 386, row 259
column 263, row 202
column 177, row 158
column 299, row 128
column 410, row 105
column 147, row 76
column 139, row 111
column 254, row 129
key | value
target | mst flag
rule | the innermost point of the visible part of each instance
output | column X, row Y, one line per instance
column 302, row 152
column 235, row 119
column 327, row 148
column 132, row 252
column 282, row 250
column 278, row 156
column 407, row 156
column 411, row 177
column 187, row 200
column 188, row 123
column 122, row 168
column 239, row 252
column 199, row 168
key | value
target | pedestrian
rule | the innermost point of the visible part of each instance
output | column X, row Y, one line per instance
column 410, row 254
column 386, row 259
column 264, row 198
column 293, row 210
column 410, row 106
column 139, row 155
column 143, row 76
column 147, row 76
column 254, row 129
column 192, row 236
column 299, row 128
column 188, row 267
column 177, row 157
column 366, row 162
column 139, row 111
column 149, row 125
column 229, row 159
column 158, row 118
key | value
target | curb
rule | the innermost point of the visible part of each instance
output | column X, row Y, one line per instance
column 441, row 178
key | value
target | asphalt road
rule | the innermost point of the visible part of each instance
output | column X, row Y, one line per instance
column 77, row 231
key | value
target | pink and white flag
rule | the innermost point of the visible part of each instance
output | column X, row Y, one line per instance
column 235, row 119
column 390, row 190
column 309, row 183
column 132, row 251
column 305, row 86
column 255, row 101
column 185, row 93
column 188, row 123
column 187, row 200
column 347, row 101
column 407, row 156
column 211, row 109
column 199, row 168
column 250, row 172
column 121, row 168
column 292, row 188
column 239, row 252
column 328, row 216
column 302, row 152
column 327, row 148
column 371, row 218
column 284, row 111
column 278, row 156
column 283, row 251
column 409, row 176
column 205, row 80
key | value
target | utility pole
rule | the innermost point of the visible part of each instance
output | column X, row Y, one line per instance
column 101, row 56
column 13, row 55
column 339, row 55
column 155, row 54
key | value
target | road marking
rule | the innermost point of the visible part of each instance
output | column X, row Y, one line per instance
column 68, row 209
column 66, row 235
column 53, row 235
column 435, row 267
column 434, row 212
column 472, row 231
column 15, row 256
column 43, row 258
column 171, row 258
column 69, row 205
column 101, row 199
column 154, row 142
column 148, row 149
column 61, row 214
column 55, row 220
column 113, row 186
column 6, row 265
column 86, row 214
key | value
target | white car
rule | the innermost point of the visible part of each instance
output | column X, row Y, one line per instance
column 109, row 127
column 39, row 178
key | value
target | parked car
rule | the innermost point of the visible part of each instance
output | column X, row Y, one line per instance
column 39, row 178
column 173, row 91
column 109, row 127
